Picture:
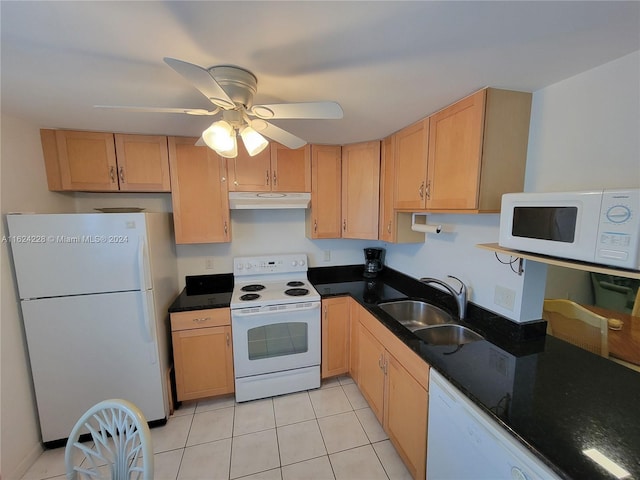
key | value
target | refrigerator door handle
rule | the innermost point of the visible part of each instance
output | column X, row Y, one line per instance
column 148, row 318
column 143, row 264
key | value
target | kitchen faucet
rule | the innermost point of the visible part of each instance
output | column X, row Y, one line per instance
column 460, row 297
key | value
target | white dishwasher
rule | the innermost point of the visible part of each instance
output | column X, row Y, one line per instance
column 465, row 443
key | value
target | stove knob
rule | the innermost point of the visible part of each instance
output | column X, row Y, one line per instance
column 294, row 263
column 301, row 263
column 247, row 266
column 239, row 266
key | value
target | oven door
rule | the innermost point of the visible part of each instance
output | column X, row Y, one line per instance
column 276, row 338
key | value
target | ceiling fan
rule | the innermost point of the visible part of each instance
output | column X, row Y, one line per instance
column 231, row 90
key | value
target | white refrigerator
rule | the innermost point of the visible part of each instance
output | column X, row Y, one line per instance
column 94, row 290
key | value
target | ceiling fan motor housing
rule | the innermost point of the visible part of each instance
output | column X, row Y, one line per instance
column 239, row 84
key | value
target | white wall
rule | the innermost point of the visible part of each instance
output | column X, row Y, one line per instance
column 24, row 188
column 584, row 130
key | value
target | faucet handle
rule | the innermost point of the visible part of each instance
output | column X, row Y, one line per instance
column 463, row 287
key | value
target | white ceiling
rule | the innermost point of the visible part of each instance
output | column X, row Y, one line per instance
column 387, row 63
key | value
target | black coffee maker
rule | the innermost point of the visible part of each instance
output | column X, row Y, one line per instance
column 373, row 261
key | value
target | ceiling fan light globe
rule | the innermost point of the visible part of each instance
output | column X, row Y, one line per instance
column 253, row 141
column 221, row 137
column 231, row 152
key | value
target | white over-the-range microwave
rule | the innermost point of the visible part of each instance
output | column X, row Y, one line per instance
column 600, row 227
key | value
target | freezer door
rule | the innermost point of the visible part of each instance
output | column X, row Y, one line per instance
column 89, row 348
column 71, row 254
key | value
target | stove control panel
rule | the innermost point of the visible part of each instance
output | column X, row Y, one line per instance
column 270, row 264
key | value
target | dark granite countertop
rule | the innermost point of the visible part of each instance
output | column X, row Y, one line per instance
column 204, row 291
column 557, row 399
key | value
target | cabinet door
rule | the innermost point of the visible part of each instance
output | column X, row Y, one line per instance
column 335, row 336
column 455, row 153
column 411, row 165
column 203, row 360
column 290, row 169
column 360, row 190
column 143, row 163
column 199, row 193
column 250, row 174
column 370, row 371
column 87, row 161
column 405, row 416
column 323, row 218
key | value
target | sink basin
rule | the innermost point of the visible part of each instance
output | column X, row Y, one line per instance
column 448, row 335
column 415, row 314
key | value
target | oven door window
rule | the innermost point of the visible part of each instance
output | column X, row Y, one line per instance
column 277, row 340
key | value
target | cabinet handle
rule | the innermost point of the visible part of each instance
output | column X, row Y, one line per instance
column 344, row 225
column 380, row 362
column 121, row 174
column 275, row 178
column 112, row 174
column 384, row 367
column 225, row 228
column 421, row 190
column 429, row 190
column 228, row 340
column 325, row 312
column 223, row 179
column 315, row 225
column 202, row 320
column 267, row 177
column 389, row 227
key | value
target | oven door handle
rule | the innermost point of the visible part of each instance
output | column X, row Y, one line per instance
column 248, row 312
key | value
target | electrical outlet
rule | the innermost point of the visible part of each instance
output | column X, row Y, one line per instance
column 327, row 255
column 208, row 264
column 504, row 297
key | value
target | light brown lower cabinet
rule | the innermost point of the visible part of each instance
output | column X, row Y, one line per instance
column 394, row 381
column 335, row 336
column 202, row 353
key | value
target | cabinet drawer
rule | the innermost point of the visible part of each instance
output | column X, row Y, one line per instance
column 213, row 317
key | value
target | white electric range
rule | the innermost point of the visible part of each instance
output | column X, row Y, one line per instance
column 275, row 318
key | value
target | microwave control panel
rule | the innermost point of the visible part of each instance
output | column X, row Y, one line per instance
column 619, row 229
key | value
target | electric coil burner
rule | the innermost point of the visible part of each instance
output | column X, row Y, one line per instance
column 275, row 318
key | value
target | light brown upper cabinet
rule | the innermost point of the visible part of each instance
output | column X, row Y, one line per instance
column 394, row 226
column 360, row 190
column 105, row 162
column 199, row 194
column 323, row 218
column 410, row 154
column 143, row 163
column 275, row 169
column 477, row 151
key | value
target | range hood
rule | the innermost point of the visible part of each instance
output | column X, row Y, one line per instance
column 264, row 200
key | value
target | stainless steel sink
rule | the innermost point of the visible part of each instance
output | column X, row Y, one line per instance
column 448, row 335
column 415, row 314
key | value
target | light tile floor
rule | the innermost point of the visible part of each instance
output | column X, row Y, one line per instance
column 328, row 433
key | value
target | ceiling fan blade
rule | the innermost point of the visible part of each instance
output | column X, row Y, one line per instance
column 276, row 133
column 203, row 81
column 188, row 111
column 318, row 110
